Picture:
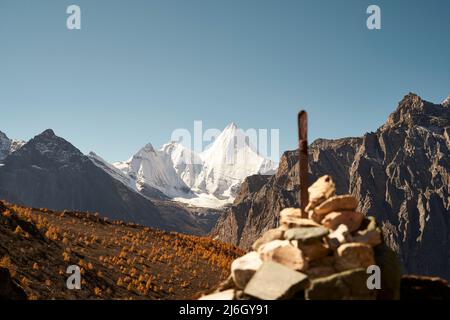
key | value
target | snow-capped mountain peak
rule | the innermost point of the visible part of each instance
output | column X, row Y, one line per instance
column 210, row 178
column 228, row 161
column 228, row 142
column 148, row 148
column 230, row 126
column 155, row 169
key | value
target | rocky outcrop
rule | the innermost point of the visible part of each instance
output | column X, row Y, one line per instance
column 8, row 146
column 400, row 175
column 256, row 208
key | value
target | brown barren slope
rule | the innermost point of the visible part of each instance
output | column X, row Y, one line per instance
column 117, row 260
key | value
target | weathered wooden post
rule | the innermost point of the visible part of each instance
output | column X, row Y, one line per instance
column 303, row 160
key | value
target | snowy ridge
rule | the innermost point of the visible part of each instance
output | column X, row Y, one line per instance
column 8, row 146
column 187, row 164
column 155, row 169
column 112, row 170
column 208, row 179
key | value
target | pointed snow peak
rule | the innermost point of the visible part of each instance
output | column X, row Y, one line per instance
column 149, row 148
column 231, row 126
column 230, row 130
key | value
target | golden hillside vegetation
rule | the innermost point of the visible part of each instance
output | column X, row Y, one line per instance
column 118, row 260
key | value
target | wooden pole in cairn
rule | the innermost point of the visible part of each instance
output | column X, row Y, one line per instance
column 303, row 161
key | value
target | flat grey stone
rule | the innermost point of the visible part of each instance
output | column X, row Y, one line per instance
column 243, row 268
column 347, row 285
column 306, row 235
column 274, row 281
column 337, row 203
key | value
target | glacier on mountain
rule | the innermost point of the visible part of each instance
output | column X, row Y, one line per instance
column 227, row 162
column 210, row 178
column 154, row 168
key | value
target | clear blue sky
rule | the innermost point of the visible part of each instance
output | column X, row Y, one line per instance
column 139, row 69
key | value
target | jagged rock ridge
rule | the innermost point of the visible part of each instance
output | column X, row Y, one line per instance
column 400, row 175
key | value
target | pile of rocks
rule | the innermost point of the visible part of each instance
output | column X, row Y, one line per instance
column 324, row 256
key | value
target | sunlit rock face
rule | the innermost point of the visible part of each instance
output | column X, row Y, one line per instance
column 399, row 174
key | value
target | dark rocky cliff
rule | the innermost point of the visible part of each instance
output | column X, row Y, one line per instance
column 400, row 175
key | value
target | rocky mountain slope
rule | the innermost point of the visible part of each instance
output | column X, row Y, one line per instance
column 49, row 172
column 400, row 174
column 117, row 260
column 117, row 174
column 8, row 146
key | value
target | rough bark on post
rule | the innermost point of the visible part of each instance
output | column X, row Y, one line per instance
column 303, row 160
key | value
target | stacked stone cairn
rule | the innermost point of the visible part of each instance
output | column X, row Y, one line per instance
column 324, row 256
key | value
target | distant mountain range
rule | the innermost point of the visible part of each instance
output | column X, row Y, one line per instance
column 208, row 179
column 400, row 174
column 49, row 172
